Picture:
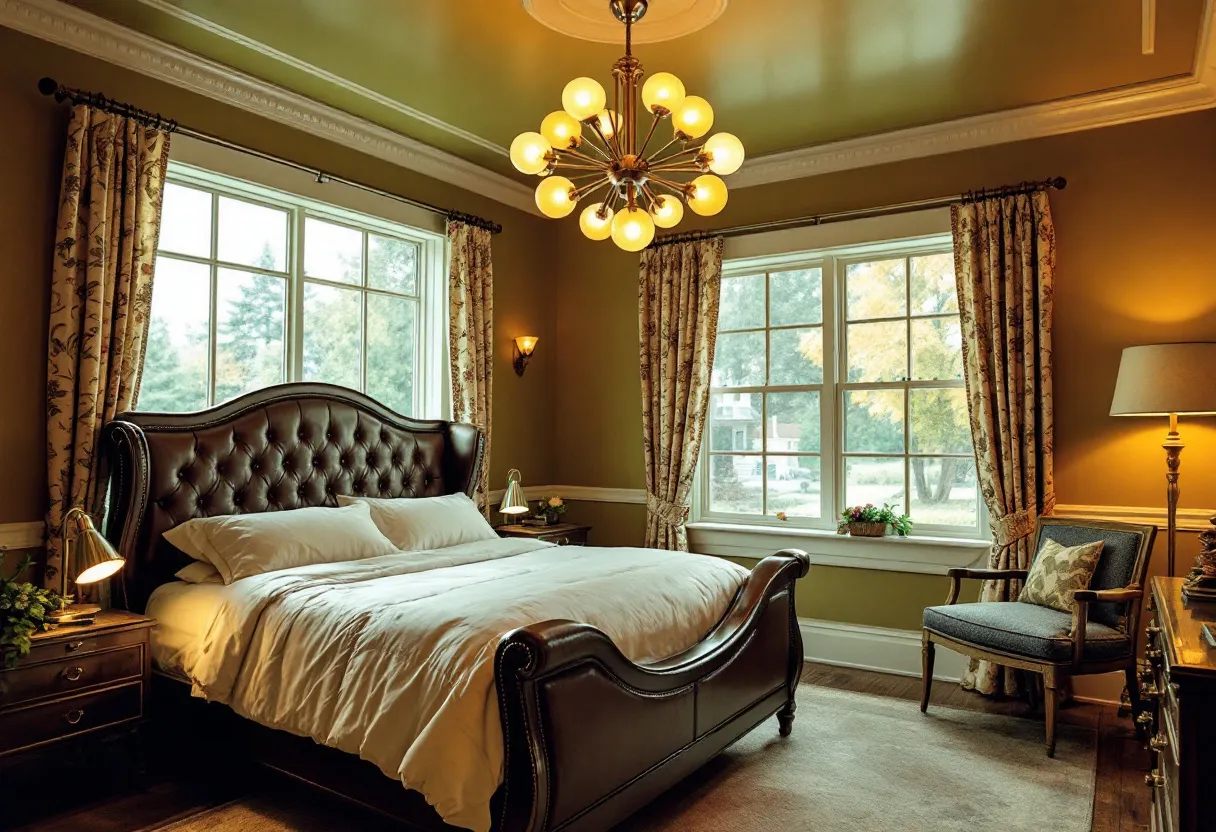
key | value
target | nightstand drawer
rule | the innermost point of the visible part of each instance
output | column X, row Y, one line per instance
column 570, row 538
column 23, row 727
column 85, row 643
column 35, row 681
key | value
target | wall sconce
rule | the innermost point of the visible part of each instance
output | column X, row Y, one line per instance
column 524, row 345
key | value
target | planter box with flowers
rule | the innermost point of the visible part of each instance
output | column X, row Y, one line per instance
column 871, row 521
column 550, row 509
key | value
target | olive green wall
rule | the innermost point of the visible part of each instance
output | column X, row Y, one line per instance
column 1135, row 251
column 30, row 167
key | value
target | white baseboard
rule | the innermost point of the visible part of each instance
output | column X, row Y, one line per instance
column 897, row 652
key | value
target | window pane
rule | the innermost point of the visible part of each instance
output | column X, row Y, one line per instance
column 175, row 361
column 874, row 480
column 876, row 290
column 878, row 352
column 390, row 351
column 795, row 297
column 933, row 285
column 796, row 356
column 939, row 421
column 943, row 491
column 937, row 349
column 742, row 304
column 793, row 421
column 392, row 265
column 739, row 360
column 252, row 235
column 333, row 252
column 185, row 221
column 250, row 316
column 793, row 485
column 874, row 421
column 735, row 484
column 332, row 335
column 734, row 422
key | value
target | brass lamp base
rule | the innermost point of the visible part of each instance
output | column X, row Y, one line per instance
column 75, row 614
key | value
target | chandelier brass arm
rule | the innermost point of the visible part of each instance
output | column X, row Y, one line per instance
column 628, row 208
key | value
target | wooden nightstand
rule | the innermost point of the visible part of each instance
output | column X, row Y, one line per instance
column 76, row 680
column 563, row 534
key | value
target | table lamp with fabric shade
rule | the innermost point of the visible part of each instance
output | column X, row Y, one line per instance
column 1167, row 380
column 89, row 558
column 513, row 499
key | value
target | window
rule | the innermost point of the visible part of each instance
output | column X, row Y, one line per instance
column 255, row 287
column 837, row 381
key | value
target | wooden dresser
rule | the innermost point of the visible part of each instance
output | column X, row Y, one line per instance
column 76, row 680
column 1179, row 692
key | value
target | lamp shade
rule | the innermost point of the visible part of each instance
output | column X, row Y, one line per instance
column 94, row 559
column 513, row 500
column 1160, row 379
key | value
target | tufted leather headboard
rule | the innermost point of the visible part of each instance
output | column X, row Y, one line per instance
column 283, row 447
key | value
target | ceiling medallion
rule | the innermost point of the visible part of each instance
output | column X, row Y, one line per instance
column 585, row 19
column 633, row 192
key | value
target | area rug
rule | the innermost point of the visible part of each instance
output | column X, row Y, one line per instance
column 855, row 762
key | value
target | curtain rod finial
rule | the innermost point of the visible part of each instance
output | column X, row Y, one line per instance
column 48, row 86
column 1059, row 183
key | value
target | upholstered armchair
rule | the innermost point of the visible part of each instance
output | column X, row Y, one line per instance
column 1098, row 637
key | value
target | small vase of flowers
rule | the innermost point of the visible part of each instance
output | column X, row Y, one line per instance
column 25, row 609
column 551, row 509
column 871, row 521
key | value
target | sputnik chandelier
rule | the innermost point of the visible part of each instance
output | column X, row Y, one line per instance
column 632, row 192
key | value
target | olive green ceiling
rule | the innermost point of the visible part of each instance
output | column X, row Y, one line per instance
column 781, row 74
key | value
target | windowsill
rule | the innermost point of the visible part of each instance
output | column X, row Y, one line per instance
column 921, row 554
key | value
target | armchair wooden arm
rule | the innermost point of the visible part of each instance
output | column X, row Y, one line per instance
column 957, row 574
column 1081, row 600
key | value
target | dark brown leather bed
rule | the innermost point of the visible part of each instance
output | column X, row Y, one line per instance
column 590, row 736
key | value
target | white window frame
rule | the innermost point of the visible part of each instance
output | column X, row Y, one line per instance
column 431, row 387
column 930, row 548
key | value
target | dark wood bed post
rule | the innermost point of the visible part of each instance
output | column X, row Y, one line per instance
column 589, row 736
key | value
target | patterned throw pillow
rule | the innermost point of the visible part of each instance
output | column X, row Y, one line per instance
column 1058, row 572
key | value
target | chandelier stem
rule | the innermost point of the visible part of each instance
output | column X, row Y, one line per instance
column 596, row 148
column 582, row 157
column 677, row 155
column 675, row 186
column 572, row 166
column 674, row 139
column 649, row 133
column 608, row 145
column 689, row 167
column 603, row 201
column 585, row 189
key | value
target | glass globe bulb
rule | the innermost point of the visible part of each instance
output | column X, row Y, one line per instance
column 583, row 97
column 725, row 153
column 591, row 224
column 708, row 195
column 667, row 211
column 693, row 117
column 553, row 197
column 632, row 229
column 561, row 129
column 528, row 152
column 663, row 90
column 609, row 121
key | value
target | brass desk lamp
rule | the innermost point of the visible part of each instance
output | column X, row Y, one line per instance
column 91, row 556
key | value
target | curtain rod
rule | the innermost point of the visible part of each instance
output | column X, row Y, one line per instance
column 51, row 87
column 1058, row 183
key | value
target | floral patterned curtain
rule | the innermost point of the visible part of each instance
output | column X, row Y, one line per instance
column 678, row 294
column 1005, row 257
column 471, row 334
column 101, row 295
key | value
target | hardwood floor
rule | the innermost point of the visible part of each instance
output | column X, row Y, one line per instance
column 1120, row 801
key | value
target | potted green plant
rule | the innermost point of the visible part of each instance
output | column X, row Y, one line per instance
column 871, row 521
column 551, row 509
column 24, row 610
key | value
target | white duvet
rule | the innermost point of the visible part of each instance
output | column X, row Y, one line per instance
column 391, row 658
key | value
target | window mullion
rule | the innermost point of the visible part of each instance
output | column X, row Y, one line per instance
column 295, row 299
column 212, row 327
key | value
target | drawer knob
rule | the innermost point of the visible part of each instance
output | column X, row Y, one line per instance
column 73, row 646
column 73, row 717
column 1149, row 691
column 73, row 674
column 1154, row 780
column 1152, row 630
column 1159, row 742
column 1144, row 719
column 563, row 541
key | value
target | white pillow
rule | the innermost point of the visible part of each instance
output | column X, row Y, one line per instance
column 199, row 572
column 240, row 545
column 417, row 523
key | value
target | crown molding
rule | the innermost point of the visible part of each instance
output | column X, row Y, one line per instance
column 1137, row 102
column 80, row 31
